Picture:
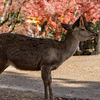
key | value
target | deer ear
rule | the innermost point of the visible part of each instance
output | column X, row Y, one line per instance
column 76, row 24
column 85, row 23
column 81, row 23
column 66, row 26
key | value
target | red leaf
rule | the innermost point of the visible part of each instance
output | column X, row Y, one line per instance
column 57, row 36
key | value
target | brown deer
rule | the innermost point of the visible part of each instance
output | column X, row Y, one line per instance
column 27, row 53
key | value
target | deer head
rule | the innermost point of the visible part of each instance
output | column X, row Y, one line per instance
column 79, row 29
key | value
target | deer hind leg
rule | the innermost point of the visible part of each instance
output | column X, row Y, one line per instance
column 46, row 77
column 3, row 63
column 2, row 67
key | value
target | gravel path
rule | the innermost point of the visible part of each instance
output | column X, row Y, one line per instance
column 77, row 77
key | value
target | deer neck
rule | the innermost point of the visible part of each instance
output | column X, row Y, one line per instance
column 70, row 45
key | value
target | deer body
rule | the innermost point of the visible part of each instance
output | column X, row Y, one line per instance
column 27, row 53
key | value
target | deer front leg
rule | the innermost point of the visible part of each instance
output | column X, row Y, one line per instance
column 50, row 88
column 46, row 77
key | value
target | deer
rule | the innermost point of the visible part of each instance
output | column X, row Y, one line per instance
column 38, row 54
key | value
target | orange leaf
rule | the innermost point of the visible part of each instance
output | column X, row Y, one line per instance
column 0, row 13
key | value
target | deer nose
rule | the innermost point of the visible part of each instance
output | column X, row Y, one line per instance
column 95, row 34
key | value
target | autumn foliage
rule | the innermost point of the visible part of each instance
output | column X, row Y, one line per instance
column 17, row 15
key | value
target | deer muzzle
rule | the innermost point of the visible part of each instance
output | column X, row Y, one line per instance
column 94, row 35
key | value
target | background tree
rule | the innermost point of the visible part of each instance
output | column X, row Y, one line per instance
column 15, row 15
column 98, row 42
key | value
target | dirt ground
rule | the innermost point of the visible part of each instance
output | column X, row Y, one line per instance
column 78, row 77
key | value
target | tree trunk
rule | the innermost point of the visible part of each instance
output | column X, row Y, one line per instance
column 98, row 43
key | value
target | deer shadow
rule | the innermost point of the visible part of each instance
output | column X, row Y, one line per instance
column 66, row 88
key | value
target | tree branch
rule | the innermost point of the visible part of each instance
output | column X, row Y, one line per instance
column 16, row 22
column 4, row 21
